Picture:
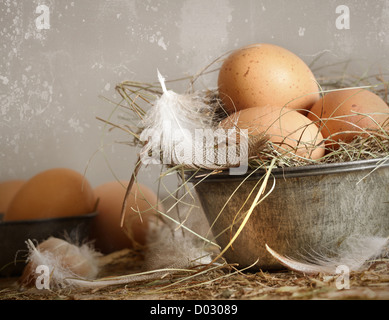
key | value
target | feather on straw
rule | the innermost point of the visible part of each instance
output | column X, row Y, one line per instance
column 63, row 260
column 175, row 129
column 169, row 252
column 354, row 252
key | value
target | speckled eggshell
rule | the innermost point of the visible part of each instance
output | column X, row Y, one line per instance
column 351, row 110
column 266, row 75
column 290, row 131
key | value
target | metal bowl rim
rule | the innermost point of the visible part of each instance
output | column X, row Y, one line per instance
column 292, row 172
column 49, row 220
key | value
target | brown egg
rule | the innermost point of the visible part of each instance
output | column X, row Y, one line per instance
column 141, row 206
column 54, row 193
column 354, row 110
column 266, row 75
column 287, row 129
column 8, row 189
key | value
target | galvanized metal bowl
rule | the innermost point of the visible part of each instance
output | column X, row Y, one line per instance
column 311, row 208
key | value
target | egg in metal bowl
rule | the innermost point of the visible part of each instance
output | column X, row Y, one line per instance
column 262, row 75
column 57, row 202
column 13, row 235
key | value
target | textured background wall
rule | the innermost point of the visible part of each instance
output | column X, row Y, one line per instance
column 51, row 80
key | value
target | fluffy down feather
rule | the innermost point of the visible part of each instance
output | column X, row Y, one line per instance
column 63, row 260
column 179, row 129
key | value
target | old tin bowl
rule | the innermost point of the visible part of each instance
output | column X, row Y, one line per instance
column 311, row 208
column 14, row 234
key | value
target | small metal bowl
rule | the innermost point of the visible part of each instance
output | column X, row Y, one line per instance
column 14, row 234
column 311, row 208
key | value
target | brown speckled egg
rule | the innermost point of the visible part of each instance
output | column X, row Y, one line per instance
column 290, row 132
column 266, row 75
column 351, row 110
column 8, row 189
column 142, row 204
column 53, row 193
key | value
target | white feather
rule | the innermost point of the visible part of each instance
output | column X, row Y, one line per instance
column 170, row 249
column 63, row 261
column 180, row 129
column 354, row 253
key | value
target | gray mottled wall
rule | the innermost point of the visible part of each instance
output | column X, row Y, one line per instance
column 51, row 80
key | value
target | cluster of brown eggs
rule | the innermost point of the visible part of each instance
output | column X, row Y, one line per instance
column 268, row 89
column 62, row 192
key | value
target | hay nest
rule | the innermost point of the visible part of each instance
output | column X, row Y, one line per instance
column 224, row 282
column 138, row 97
